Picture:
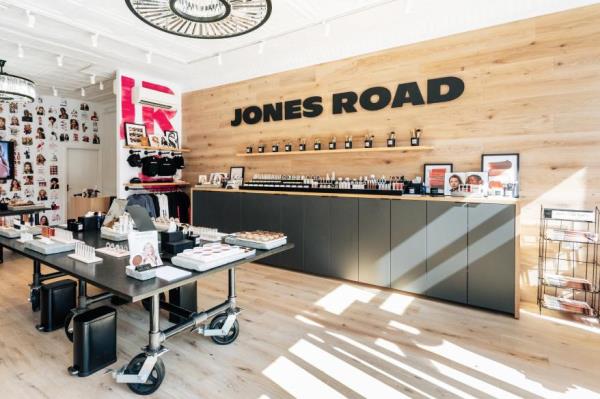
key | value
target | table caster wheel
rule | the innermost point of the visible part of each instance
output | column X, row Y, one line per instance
column 157, row 375
column 34, row 298
column 146, row 302
column 217, row 323
column 69, row 326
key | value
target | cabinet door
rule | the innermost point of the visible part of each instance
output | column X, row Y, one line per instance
column 409, row 246
column 292, row 222
column 261, row 212
column 492, row 256
column 374, row 242
column 316, row 234
column 205, row 209
column 343, row 216
column 447, row 251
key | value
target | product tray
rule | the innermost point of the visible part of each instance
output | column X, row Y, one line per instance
column 187, row 262
column 49, row 249
column 10, row 233
column 145, row 275
column 233, row 240
column 111, row 236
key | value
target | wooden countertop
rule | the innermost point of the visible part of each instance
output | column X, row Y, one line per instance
column 406, row 197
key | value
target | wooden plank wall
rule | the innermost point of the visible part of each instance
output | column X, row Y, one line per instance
column 532, row 87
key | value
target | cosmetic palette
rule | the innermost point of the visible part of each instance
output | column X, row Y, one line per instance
column 258, row 239
column 210, row 256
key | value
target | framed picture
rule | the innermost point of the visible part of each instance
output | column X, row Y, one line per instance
column 434, row 174
column 171, row 139
column 236, row 173
column 155, row 140
column 217, row 178
column 477, row 179
column 452, row 181
column 134, row 133
column 503, row 174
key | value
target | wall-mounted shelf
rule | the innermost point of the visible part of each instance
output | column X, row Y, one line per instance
column 340, row 151
column 178, row 183
column 145, row 147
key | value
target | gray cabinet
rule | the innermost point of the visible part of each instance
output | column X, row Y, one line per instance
column 292, row 224
column 492, row 256
column 409, row 246
column 261, row 212
column 316, row 235
column 374, row 242
column 447, row 251
column 343, row 219
column 217, row 210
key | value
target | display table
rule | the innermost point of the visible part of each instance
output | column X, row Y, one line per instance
column 463, row 250
column 19, row 212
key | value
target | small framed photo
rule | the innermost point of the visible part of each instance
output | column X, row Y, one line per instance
column 202, row 179
column 477, row 179
column 434, row 174
column 217, row 178
column 155, row 140
column 236, row 173
column 134, row 133
column 171, row 139
column 503, row 174
column 452, row 182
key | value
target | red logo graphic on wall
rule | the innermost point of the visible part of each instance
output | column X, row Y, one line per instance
column 151, row 116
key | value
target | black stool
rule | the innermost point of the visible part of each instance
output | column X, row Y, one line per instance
column 94, row 340
column 57, row 300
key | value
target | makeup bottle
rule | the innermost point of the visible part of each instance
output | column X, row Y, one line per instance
column 391, row 141
column 333, row 143
column 275, row 147
column 317, row 145
column 288, row 147
column 348, row 142
column 369, row 141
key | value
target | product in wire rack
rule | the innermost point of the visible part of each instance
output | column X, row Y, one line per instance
column 210, row 256
column 568, row 305
column 572, row 235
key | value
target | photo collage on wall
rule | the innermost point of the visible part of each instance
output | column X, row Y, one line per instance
column 40, row 132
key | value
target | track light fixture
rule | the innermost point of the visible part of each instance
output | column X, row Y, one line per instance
column 59, row 60
column 54, row 91
column 20, row 51
column 149, row 57
column 82, row 92
column 101, row 86
column 261, row 47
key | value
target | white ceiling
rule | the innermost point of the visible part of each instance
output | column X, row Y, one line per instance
column 299, row 33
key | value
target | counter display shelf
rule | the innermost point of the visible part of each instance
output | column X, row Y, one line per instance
column 463, row 250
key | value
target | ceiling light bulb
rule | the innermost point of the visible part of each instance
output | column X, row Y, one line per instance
column 261, row 47
column 54, row 91
column 59, row 60
column 149, row 57
column 94, row 38
column 220, row 59
column 30, row 19
column 20, row 51
column 101, row 86
column 92, row 79
column 82, row 92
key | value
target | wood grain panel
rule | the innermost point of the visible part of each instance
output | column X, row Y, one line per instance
column 532, row 87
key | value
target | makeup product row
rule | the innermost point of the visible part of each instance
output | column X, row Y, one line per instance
column 395, row 185
column 368, row 142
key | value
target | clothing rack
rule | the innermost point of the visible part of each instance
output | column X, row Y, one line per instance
column 159, row 152
column 151, row 190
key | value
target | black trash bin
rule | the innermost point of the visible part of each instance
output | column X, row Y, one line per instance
column 57, row 300
column 94, row 340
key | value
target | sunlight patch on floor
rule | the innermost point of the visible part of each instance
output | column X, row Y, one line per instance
column 298, row 382
column 397, row 303
column 409, row 369
column 404, row 327
column 350, row 376
column 489, row 367
column 308, row 321
column 471, row 381
column 383, row 372
column 591, row 325
column 342, row 297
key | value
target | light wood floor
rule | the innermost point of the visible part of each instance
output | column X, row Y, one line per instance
column 312, row 337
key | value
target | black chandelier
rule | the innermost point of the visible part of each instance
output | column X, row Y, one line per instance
column 15, row 88
column 203, row 19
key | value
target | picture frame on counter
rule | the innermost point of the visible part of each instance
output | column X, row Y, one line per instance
column 503, row 174
column 434, row 175
column 134, row 134
column 236, row 173
column 217, row 178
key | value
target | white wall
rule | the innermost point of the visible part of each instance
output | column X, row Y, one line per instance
column 50, row 148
